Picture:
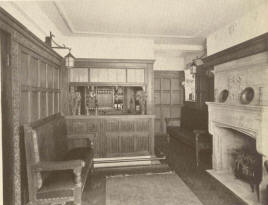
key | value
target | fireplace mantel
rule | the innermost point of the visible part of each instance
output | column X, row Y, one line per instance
column 250, row 120
column 234, row 122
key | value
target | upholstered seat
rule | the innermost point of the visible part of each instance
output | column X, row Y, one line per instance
column 58, row 184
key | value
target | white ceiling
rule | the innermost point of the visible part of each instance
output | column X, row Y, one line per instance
column 158, row 19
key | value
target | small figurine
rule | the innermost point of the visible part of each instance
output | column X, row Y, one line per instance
column 74, row 101
column 141, row 98
column 78, row 103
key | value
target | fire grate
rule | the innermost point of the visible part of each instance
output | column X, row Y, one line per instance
column 248, row 167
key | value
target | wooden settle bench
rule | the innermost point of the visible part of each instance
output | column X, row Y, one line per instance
column 193, row 130
column 56, row 174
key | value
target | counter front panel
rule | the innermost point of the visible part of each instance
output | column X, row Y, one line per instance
column 114, row 136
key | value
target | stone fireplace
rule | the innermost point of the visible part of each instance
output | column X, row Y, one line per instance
column 239, row 118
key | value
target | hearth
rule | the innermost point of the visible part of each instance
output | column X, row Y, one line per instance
column 239, row 119
column 248, row 167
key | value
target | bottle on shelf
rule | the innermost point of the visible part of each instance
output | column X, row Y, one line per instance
column 137, row 106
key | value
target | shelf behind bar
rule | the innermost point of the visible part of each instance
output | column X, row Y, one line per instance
column 106, row 84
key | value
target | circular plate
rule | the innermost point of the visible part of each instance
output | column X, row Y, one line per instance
column 247, row 95
column 223, row 95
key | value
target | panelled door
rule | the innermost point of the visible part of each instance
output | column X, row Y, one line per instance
column 169, row 95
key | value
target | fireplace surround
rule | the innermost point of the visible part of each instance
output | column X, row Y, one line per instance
column 240, row 115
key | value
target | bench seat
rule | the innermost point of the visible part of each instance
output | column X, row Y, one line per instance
column 198, row 139
column 186, row 136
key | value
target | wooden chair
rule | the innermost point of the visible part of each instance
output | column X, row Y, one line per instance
column 55, row 174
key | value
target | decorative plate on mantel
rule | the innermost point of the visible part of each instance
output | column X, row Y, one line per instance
column 247, row 95
column 223, row 95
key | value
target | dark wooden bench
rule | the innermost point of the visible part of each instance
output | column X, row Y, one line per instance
column 192, row 130
column 56, row 174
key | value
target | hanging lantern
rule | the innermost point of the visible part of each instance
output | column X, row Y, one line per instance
column 193, row 68
column 69, row 60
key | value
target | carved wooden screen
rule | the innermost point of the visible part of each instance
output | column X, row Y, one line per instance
column 168, row 97
column 40, row 87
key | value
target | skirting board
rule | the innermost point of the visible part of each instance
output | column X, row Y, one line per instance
column 124, row 161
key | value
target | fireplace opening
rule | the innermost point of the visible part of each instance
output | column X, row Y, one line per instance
column 237, row 164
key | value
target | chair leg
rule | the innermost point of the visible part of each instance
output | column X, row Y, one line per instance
column 197, row 150
column 257, row 186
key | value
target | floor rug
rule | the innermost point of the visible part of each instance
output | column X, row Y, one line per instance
column 149, row 189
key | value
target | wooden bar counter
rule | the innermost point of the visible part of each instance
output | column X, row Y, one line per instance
column 114, row 135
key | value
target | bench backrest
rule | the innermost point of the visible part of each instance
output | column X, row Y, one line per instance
column 192, row 118
column 45, row 140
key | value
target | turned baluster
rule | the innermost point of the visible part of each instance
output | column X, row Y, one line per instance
column 77, row 179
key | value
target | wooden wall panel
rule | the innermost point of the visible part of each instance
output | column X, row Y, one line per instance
column 135, row 75
column 56, row 78
column 157, row 128
column 142, row 143
column 22, row 45
column 157, row 112
column 34, row 106
column 165, row 84
column 43, row 105
column 142, row 125
column 128, row 125
column 43, row 75
column 113, row 136
column 24, row 67
column 40, row 83
column 168, row 97
column 175, row 84
column 79, row 75
column 157, row 98
column 165, row 111
column 33, row 72
column 176, row 98
column 112, row 146
column 50, row 103
column 56, row 102
column 157, row 83
column 127, row 144
column 24, row 108
column 175, row 111
column 165, row 98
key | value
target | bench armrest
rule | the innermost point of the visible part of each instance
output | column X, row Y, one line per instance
column 75, row 165
column 58, row 165
column 90, row 137
column 199, row 132
column 173, row 122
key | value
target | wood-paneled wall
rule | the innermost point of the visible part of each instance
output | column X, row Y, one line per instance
column 40, row 87
column 32, row 78
column 168, row 97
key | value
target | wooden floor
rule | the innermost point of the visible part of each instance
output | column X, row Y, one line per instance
column 180, row 159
